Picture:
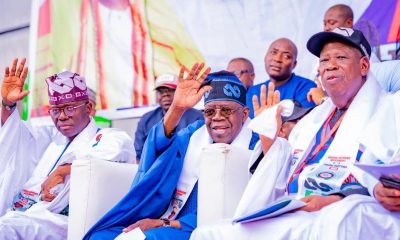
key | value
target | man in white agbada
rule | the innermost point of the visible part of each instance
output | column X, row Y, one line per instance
column 376, row 216
column 36, row 161
column 316, row 166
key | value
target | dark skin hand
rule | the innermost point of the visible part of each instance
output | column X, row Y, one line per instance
column 12, row 89
column 55, row 178
column 316, row 203
column 388, row 197
column 267, row 102
column 147, row 223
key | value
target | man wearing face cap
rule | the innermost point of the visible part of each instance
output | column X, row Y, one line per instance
column 324, row 145
column 163, row 198
column 165, row 90
column 36, row 161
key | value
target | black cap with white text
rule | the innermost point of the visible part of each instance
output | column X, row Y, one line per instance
column 352, row 37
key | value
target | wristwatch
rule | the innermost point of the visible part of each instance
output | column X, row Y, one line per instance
column 166, row 222
column 8, row 107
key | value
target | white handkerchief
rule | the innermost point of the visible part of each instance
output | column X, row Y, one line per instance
column 135, row 234
column 265, row 123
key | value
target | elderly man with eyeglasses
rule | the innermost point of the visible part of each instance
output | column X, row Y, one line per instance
column 36, row 160
column 163, row 198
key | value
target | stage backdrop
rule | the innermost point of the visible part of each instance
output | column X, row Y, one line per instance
column 120, row 46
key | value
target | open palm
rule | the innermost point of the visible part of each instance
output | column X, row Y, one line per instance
column 189, row 90
column 13, row 82
column 266, row 102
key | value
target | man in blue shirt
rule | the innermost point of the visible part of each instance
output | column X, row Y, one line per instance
column 280, row 61
column 165, row 90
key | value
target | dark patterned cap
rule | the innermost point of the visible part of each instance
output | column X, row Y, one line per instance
column 225, row 87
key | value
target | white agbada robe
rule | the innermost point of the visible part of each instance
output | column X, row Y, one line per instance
column 271, row 177
column 367, row 218
column 29, row 154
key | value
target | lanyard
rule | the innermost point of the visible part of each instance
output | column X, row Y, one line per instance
column 324, row 139
column 58, row 159
column 62, row 153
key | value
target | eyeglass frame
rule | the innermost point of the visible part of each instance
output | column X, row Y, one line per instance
column 239, row 73
column 226, row 115
column 62, row 109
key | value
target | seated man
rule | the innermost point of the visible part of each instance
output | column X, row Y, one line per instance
column 165, row 90
column 280, row 60
column 324, row 146
column 163, row 198
column 376, row 216
column 36, row 161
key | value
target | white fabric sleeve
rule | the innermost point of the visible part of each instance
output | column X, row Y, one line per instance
column 21, row 149
column 268, row 181
column 111, row 145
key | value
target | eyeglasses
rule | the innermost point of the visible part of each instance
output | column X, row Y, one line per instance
column 68, row 110
column 165, row 90
column 240, row 73
column 224, row 111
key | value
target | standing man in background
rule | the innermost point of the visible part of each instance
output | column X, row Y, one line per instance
column 280, row 60
column 339, row 15
column 386, row 73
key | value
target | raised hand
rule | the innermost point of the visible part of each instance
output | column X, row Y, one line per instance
column 187, row 94
column 266, row 102
column 189, row 90
column 13, row 82
column 316, row 94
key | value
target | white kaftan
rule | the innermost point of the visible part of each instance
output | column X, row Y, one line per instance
column 272, row 175
column 28, row 156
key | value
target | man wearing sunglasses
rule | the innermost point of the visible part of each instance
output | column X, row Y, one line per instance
column 36, row 160
column 163, row 198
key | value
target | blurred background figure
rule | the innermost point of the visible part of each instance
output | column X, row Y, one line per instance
column 288, row 123
column 92, row 101
column 165, row 90
column 243, row 69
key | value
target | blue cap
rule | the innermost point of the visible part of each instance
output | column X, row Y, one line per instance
column 225, row 87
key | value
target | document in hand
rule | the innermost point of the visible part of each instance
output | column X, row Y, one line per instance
column 135, row 234
column 274, row 209
column 388, row 174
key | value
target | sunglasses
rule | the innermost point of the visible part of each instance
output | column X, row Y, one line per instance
column 224, row 111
